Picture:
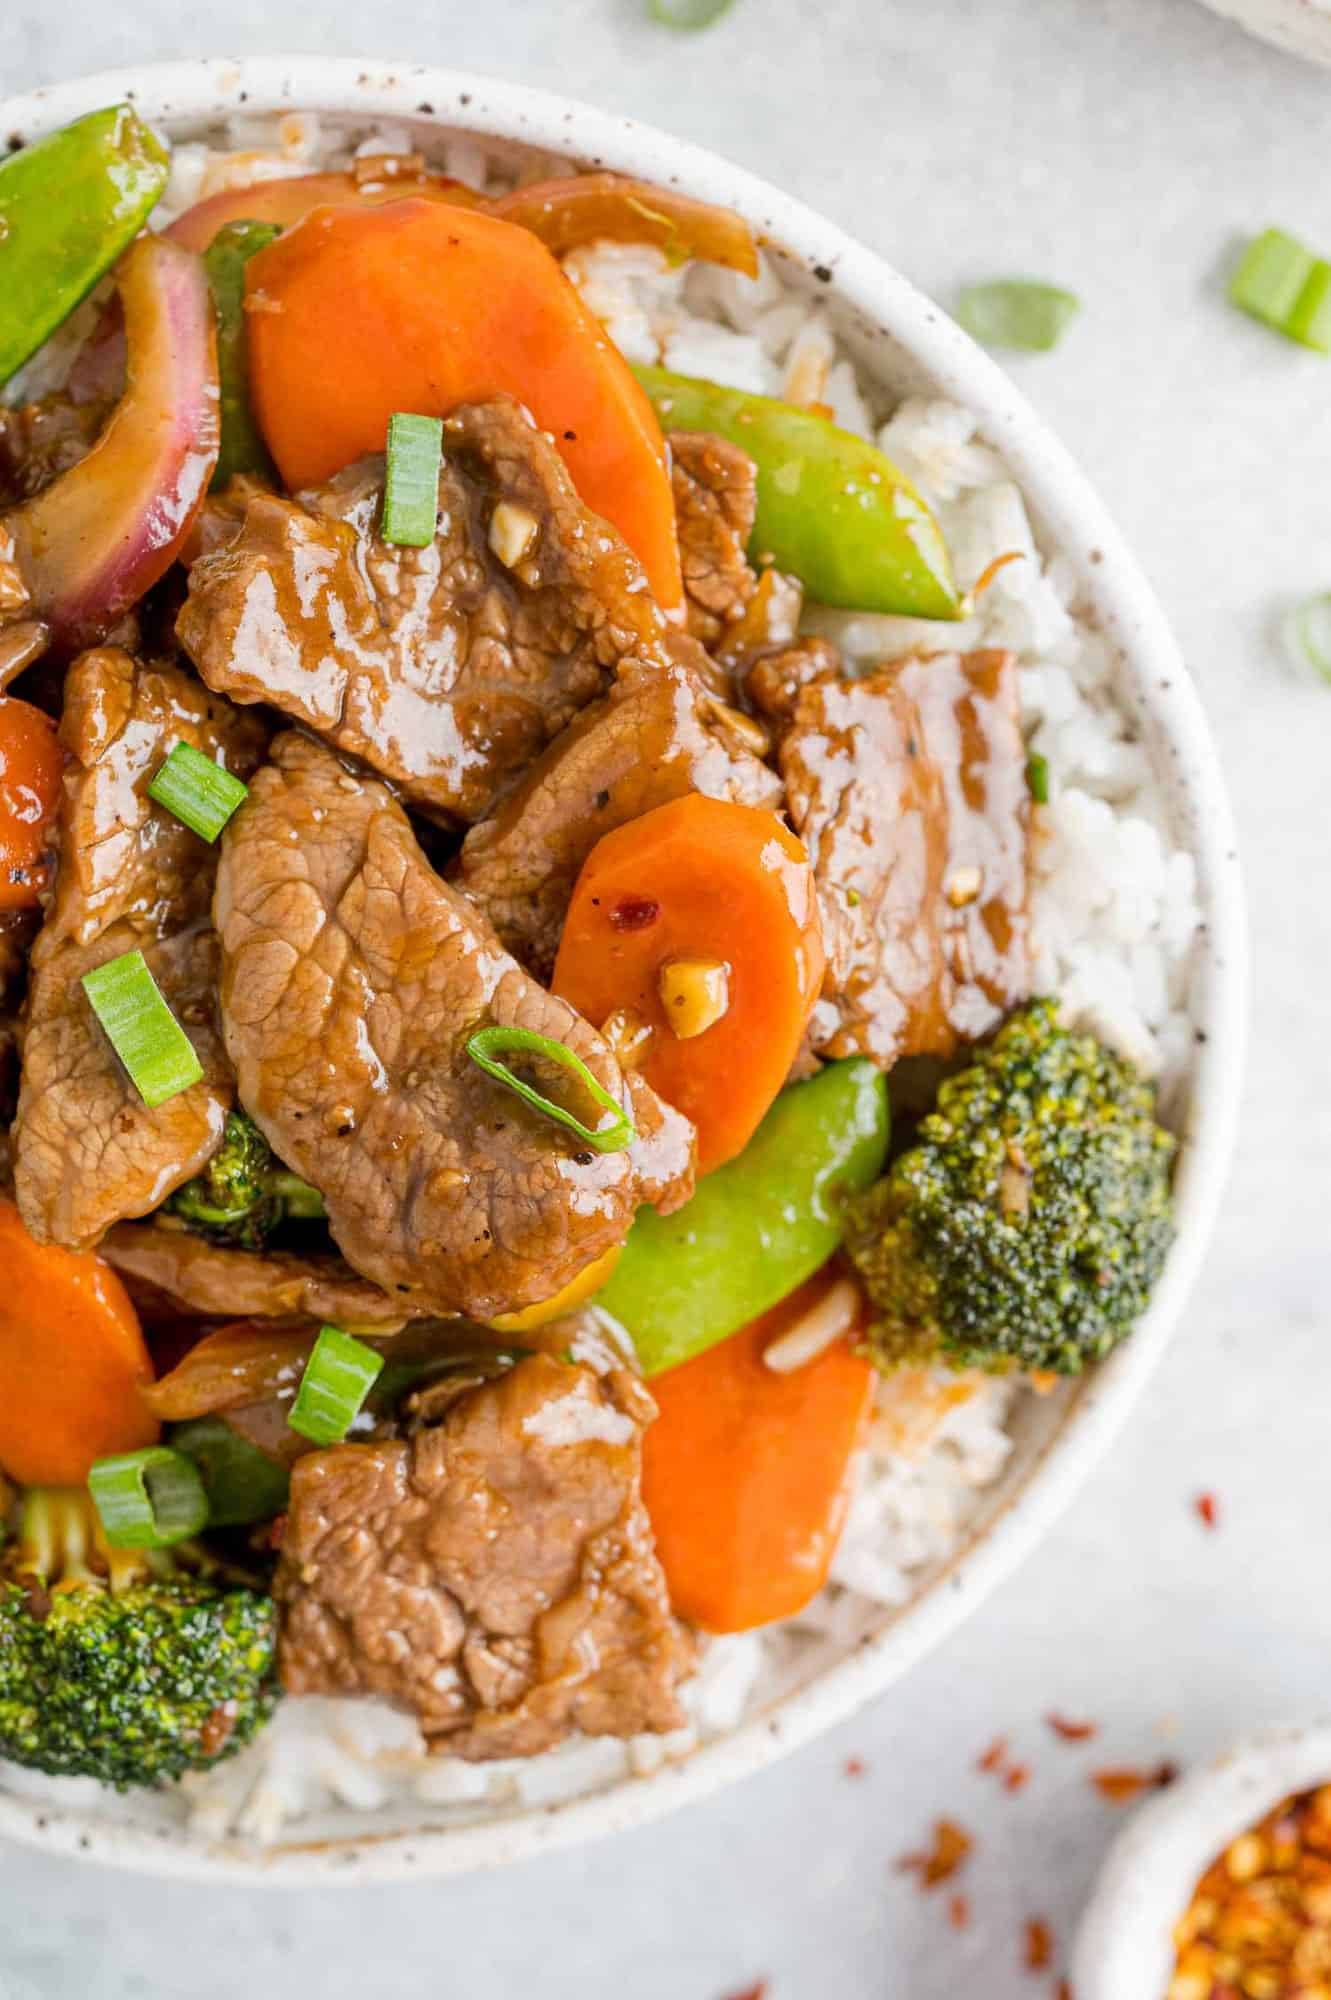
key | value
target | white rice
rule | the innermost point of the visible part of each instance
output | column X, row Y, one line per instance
column 1116, row 917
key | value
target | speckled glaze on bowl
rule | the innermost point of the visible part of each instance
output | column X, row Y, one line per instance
column 1300, row 27
column 1123, row 1949
column 902, row 338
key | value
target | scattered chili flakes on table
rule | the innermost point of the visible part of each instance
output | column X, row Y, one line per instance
column 1259, row 1923
column 1120, row 1788
column 758, row 1991
column 1207, row 1508
column 1039, row 1945
column 959, row 1912
column 994, row 1757
column 951, row 1845
column 1071, row 1732
column 854, row 1767
column 1015, row 1777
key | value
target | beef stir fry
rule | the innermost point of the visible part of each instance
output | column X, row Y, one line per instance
column 505, row 1041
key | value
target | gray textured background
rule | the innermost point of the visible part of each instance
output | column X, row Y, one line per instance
column 1116, row 146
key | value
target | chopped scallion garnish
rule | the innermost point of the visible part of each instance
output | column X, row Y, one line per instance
column 148, row 1499
column 411, row 480
column 689, row 14
column 1285, row 286
column 1017, row 312
column 1308, row 637
column 1037, row 778
column 492, row 1049
column 338, row 1376
column 200, row 794
column 141, row 1028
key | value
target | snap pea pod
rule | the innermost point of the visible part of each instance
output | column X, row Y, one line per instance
column 242, row 450
column 756, row 1228
column 69, row 204
column 831, row 508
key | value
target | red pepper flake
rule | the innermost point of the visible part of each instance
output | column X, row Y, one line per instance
column 1207, row 1509
column 1121, row 1787
column 1064, row 1991
column 1039, row 1944
column 854, row 1767
column 950, row 1847
column 635, row 913
column 959, row 1912
column 1071, row 1732
column 1015, row 1776
column 994, row 1757
column 758, row 1991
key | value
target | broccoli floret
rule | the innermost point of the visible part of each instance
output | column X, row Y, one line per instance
column 1030, row 1219
column 122, row 1665
column 244, row 1193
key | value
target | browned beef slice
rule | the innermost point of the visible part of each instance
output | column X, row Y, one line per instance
column 715, row 487
column 352, row 979
column 447, row 668
column 39, row 441
column 658, row 734
column 908, row 788
column 495, row 1573
column 131, row 877
column 169, row 1269
column 23, row 636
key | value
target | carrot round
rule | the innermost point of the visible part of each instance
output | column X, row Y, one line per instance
column 360, row 312
column 73, row 1362
column 30, row 766
column 701, row 894
column 289, row 200
column 747, row 1472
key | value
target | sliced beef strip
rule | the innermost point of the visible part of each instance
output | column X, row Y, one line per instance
column 448, row 668
column 23, row 636
column 352, row 978
column 131, row 877
column 39, row 441
column 658, row 734
column 494, row 1573
column 716, row 499
column 908, row 788
column 169, row 1270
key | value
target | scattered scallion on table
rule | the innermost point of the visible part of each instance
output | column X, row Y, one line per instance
column 493, row 1049
column 141, row 1028
column 1308, row 637
column 339, row 1375
column 148, row 1499
column 411, row 480
column 688, row 14
column 1021, row 313
column 200, row 794
column 1287, row 287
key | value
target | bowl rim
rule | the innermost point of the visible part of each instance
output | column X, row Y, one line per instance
column 1123, row 1946
column 1075, row 520
column 1298, row 27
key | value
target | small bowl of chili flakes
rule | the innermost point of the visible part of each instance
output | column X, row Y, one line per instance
column 1220, row 1888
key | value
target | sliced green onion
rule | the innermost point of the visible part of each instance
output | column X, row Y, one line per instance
column 241, row 1482
column 148, row 1499
column 1037, row 778
column 1308, row 637
column 689, row 14
column 490, row 1047
column 411, row 480
column 141, row 1028
column 338, row 1376
column 201, row 794
column 1017, row 312
column 1285, row 286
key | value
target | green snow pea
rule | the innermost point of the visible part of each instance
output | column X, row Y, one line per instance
column 243, row 450
column 831, row 508
column 69, row 204
column 757, row 1227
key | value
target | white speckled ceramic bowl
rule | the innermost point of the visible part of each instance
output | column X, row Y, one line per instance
column 911, row 345
column 1301, row 27
column 1124, row 1949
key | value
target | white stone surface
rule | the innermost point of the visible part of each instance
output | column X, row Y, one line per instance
column 1118, row 146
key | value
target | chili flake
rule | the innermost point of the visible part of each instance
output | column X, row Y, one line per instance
column 994, row 1757
column 951, row 1845
column 854, row 1767
column 758, row 1991
column 1205, row 1503
column 1039, row 1944
column 1015, row 1776
column 959, row 1912
column 1071, row 1732
column 1259, row 1923
column 1121, row 1787
column 635, row 913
